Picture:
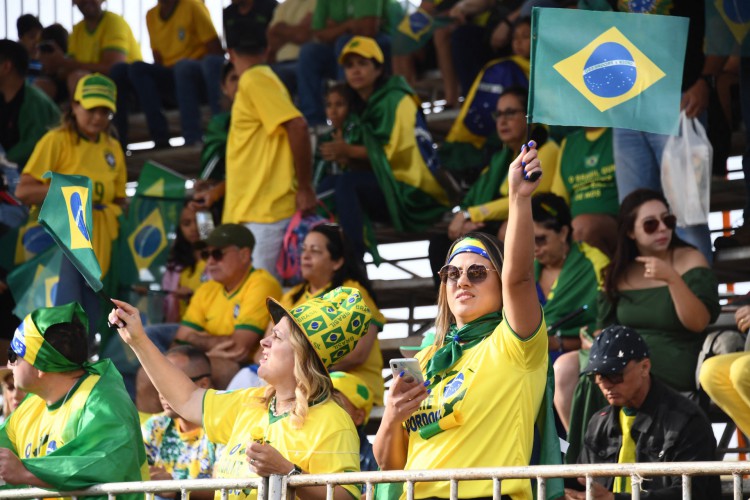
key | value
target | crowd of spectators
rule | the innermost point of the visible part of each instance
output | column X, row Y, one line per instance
column 323, row 115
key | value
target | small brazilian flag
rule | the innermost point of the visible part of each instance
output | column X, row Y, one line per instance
column 728, row 27
column 415, row 30
column 66, row 215
column 617, row 70
column 34, row 283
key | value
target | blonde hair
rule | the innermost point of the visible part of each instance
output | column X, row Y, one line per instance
column 445, row 318
column 313, row 385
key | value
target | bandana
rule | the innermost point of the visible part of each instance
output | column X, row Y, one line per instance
column 471, row 245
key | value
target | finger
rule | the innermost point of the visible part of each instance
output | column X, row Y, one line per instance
column 124, row 306
column 644, row 260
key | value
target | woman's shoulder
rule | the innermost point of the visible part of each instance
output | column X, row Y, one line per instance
column 688, row 258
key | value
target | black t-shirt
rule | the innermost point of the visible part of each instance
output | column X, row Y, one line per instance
column 9, row 112
column 248, row 29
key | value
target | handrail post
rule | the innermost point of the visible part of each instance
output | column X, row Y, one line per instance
column 686, row 487
column 276, row 487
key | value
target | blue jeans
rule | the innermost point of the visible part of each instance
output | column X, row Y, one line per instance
column 125, row 93
column 287, row 73
column 188, row 80
column 638, row 165
column 317, row 63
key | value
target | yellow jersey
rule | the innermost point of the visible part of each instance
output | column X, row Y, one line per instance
column 184, row 34
column 112, row 33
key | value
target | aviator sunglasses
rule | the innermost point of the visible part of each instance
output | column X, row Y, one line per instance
column 612, row 378
column 216, row 253
column 651, row 225
column 476, row 273
column 12, row 356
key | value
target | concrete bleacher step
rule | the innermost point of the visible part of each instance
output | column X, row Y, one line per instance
column 732, row 265
column 727, row 194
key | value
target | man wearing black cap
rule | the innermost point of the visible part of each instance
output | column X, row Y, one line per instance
column 227, row 316
column 645, row 422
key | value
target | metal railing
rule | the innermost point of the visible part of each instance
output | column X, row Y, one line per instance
column 281, row 487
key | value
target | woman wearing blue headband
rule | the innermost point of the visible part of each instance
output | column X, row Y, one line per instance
column 486, row 373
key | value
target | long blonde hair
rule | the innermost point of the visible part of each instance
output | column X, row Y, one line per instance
column 313, row 385
column 445, row 318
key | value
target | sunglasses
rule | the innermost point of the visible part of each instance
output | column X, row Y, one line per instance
column 651, row 225
column 508, row 113
column 612, row 378
column 12, row 356
column 216, row 253
column 476, row 273
column 540, row 240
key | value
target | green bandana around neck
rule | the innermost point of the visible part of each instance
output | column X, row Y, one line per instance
column 458, row 340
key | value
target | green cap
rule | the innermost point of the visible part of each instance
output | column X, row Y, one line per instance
column 231, row 234
column 96, row 90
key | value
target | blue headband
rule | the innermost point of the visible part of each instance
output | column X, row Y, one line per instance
column 469, row 248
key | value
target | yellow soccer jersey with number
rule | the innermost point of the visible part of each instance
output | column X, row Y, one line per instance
column 486, row 406
column 103, row 162
column 184, row 34
column 112, row 33
column 327, row 442
column 371, row 371
column 214, row 311
column 261, row 179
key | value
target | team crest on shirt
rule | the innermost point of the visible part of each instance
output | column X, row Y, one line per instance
column 110, row 159
column 52, row 446
column 591, row 161
column 236, row 310
column 181, row 34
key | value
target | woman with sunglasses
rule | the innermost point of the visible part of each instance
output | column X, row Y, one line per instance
column 328, row 262
column 84, row 144
column 662, row 287
column 485, row 374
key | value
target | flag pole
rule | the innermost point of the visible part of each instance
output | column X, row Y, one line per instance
column 533, row 176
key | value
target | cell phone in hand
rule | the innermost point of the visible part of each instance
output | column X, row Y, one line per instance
column 410, row 367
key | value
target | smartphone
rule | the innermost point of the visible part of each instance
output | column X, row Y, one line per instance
column 205, row 222
column 410, row 367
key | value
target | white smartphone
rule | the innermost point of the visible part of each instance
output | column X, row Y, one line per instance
column 410, row 367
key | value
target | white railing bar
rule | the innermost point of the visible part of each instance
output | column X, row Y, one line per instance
column 409, row 490
column 589, row 488
column 497, row 489
column 686, row 487
column 369, row 491
column 225, row 494
column 329, row 491
column 454, row 489
column 635, row 486
column 737, row 486
column 541, row 488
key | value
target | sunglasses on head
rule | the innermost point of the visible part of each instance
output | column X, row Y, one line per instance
column 216, row 253
column 612, row 378
column 651, row 225
column 476, row 273
column 12, row 356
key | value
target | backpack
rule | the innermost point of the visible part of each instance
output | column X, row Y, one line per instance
column 288, row 262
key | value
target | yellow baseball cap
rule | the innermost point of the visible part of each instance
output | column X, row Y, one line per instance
column 355, row 390
column 96, row 90
column 362, row 46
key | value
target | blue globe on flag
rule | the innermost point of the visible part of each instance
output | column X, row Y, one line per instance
column 737, row 11
column 147, row 241
column 77, row 209
column 610, row 70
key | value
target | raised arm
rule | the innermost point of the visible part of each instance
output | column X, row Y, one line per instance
column 171, row 382
column 520, row 301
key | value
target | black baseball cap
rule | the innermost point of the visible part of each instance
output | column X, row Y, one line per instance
column 614, row 348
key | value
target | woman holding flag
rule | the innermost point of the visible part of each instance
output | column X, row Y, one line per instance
column 84, row 144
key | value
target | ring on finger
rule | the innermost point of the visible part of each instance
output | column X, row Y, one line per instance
column 252, row 461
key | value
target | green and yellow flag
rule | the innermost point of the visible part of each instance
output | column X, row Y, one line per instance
column 728, row 27
column 66, row 215
column 415, row 30
column 618, row 70
column 34, row 283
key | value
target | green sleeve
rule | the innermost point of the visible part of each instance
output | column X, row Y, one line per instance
column 702, row 282
column 38, row 115
column 368, row 8
column 320, row 15
column 607, row 311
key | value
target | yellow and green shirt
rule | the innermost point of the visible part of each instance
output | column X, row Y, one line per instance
column 112, row 33
column 184, row 455
column 326, row 443
column 184, row 34
column 486, row 406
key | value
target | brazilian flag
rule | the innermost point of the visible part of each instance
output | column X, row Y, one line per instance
column 415, row 30
column 728, row 27
column 616, row 70
column 151, row 223
column 67, row 217
column 34, row 283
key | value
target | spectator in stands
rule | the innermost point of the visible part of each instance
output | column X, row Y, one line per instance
column 175, row 447
column 485, row 207
column 399, row 158
column 355, row 397
column 54, row 38
column 76, row 409
column 660, row 285
column 490, row 348
column 290, row 427
column 214, row 154
column 225, row 318
column 725, row 378
column 98, row 42
column 638, row 154
column 645, row 422
column 84, row 145
column 12, row 395
column 327, row 159
column 334, row 23
column 585, row 177
column 29, row 35
column 26, row 114
column 187, row 66
column 327, row 262
column 268, row 132
column 290, row 28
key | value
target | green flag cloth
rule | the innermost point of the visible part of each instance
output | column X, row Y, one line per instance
column 154, row 214
column 66, row 215
column 410, row 208
column 549, row 442
column 728, row 27
column 618, row 70
column 99, row 431
column 214, row 152
column 34, row 283
column 487, row 186
column 415, row 30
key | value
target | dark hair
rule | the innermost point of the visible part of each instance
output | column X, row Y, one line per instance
column 626, row 250
column 356, row 103
column 341, row 89
column 196, row 358
column 551, row 212
column 521, row 20
column 69, row 339
column 338, row 246
column 58, row 34
column 26, row 23
column 538, row 132
column 182, row 253
column 16, row 54
column 226, row 69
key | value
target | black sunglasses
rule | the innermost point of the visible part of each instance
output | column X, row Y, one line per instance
column 612, row 378
column 216, row 253
column 507, row 113
column 12, row 356
column 476, row 273
column 651, row 225
column 540, row 240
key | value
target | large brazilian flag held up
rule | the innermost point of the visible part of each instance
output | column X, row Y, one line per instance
column 614, row 69
column 66, row 215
